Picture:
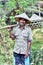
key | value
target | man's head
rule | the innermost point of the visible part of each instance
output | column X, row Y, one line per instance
column 22, row 21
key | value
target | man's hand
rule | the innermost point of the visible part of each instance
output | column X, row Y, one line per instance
column 26, row 54
column 9, row 29
column 12, row 36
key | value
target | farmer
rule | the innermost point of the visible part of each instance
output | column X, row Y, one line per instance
column 23, row 37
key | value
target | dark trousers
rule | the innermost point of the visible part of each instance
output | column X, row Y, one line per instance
column 19, row 59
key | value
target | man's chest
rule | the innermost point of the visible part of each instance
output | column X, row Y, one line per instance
column 21, row 34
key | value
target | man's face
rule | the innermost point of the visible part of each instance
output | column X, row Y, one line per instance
column 22, row 21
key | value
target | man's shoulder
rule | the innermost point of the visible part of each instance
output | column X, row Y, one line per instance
column 15, row 27
column 28, row 27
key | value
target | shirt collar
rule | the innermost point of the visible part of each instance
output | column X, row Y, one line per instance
column 24, row 26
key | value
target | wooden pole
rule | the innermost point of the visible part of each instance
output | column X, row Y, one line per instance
column 8, row 26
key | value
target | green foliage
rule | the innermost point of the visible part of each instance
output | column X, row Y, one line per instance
column 10, row 5
column 7, row 44
column 36, row 57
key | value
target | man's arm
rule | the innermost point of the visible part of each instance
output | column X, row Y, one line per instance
column 28, row 46
column 29, row 42
column 11, row 34
column 28, row 49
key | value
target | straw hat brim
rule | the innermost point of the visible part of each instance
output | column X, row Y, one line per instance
column 24, row 16
column 27, row 21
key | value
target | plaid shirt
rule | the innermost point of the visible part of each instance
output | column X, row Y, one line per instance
column 23, row 36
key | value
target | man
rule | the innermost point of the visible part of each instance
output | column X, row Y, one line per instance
column 23, row 37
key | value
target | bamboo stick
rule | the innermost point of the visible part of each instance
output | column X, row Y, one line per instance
column 8, row 26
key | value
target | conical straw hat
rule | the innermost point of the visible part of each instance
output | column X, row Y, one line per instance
column 24, row 16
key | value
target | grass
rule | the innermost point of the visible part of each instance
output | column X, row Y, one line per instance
column 37, row 39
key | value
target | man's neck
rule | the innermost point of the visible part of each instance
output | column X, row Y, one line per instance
column 22, row 27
